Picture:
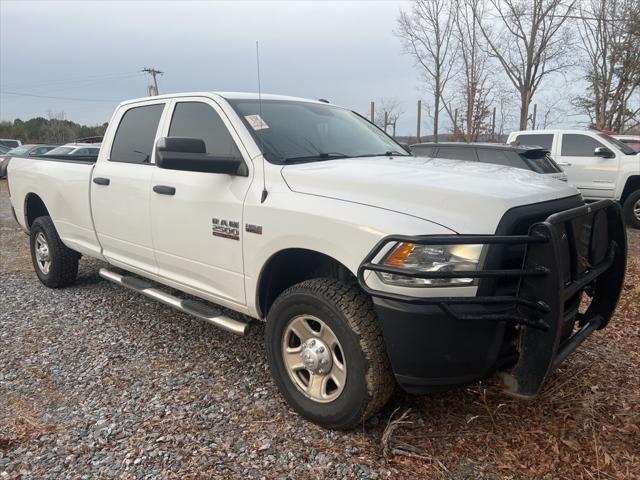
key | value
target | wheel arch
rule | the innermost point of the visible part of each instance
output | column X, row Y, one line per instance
column 34, row 207
column 290, row 266
column 631, row 185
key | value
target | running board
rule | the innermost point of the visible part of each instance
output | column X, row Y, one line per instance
column 192, row 307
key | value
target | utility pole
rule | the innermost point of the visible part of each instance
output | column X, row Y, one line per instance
column 153, row 91
column 373, row 112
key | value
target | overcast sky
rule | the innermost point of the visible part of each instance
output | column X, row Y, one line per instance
column 343, row 51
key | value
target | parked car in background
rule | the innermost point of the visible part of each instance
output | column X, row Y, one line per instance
column 31, row 150
column 632, row 140
column 524, row 157
column 79, row 149
column 9, row 142
column 597, row 164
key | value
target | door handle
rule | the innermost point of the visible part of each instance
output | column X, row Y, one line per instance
column 164, row 190
column 564, row 164
column 101, row 181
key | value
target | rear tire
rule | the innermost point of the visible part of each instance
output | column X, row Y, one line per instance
column 347, row 328
column 56, row 265
column 631, row 210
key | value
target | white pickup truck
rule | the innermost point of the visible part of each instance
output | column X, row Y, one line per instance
column 598, row 165
column 369, row 266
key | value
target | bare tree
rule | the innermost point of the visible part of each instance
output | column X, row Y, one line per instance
column 610, row 36
column 426, row 34
column 473, row 79
column 389, row 111
column 531, row 43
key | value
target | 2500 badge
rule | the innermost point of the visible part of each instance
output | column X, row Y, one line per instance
column 225, row 228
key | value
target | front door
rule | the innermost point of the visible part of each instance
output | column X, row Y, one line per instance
column 594, row 176
column 197, row 217
column 120, row 189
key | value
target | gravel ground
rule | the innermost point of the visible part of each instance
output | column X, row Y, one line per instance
column 98, row 381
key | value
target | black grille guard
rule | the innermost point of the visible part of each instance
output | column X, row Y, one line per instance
column 582, row 249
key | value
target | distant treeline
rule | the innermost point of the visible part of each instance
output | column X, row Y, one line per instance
column 55, row 129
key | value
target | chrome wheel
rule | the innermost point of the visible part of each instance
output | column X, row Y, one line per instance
column 43, row 258
column 314, row 358
column 636, row 210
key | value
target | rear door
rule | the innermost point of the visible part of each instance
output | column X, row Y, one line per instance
column 594, row 176
column 197, row 220
column 120, row 187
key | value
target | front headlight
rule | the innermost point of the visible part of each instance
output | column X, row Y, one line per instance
column 431, row 258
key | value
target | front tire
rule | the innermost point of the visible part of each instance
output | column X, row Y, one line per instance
column 327, row 354
column 631, row 210
column 56, row 265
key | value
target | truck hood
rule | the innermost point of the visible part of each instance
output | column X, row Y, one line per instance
column 466, row 197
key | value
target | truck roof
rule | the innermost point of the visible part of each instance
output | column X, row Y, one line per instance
column 494, row 146
column 225, row 95
column 554, row 131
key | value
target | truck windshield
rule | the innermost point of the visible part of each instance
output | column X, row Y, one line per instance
column 296, row 131
column 623, row 147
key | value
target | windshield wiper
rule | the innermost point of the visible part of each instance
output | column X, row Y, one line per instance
column 317, row 157
column 393, row 153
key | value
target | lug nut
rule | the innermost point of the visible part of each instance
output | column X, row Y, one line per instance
column 312, row 342
column 320, row 350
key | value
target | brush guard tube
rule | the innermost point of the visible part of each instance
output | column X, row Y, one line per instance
column 575, row 251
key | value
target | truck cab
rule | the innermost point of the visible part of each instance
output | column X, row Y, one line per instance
column 598, row 165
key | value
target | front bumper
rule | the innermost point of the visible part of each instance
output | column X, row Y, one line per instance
column 438, row 342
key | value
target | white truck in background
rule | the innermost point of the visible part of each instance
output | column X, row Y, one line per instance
column 598, row 165
column 370, row 267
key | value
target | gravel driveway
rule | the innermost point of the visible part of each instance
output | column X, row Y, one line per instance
column 98, row 381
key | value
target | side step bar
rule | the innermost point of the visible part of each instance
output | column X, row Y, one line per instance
column 192, row 307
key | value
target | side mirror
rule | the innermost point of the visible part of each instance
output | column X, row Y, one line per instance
column 603, row 152
column 190, row 154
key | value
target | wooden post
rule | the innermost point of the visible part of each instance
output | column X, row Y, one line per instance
column 533, row 120
column 373, row 112
column 418, row 126
column 493, row 125
column 386, row 121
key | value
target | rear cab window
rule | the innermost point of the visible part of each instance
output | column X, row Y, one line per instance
column 136, row 134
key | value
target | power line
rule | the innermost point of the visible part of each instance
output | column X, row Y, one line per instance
column 4, row 92
column 84, row 78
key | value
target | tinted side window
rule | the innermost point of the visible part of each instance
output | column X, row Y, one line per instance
column 40, row 150
column 544, row 140
column 499, row 157
column 136, row 133
column 199, row 120
column 457, row 153
column 419, row 151
column 575, row 145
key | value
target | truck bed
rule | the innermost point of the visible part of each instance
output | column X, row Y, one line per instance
column 62, row 184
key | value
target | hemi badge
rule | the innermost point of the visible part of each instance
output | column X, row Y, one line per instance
column 253, row 228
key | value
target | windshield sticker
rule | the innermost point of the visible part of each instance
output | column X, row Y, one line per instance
column 256, row 122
